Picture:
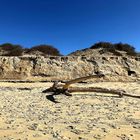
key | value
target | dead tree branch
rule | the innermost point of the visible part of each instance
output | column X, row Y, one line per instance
column 65, row 89
column 98, row 90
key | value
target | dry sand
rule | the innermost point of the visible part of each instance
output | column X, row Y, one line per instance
column 26, row 114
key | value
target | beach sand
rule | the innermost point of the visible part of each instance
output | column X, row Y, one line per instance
column 26, row 113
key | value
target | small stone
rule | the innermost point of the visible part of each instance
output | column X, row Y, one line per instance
column 33, row 126
column 71, row 127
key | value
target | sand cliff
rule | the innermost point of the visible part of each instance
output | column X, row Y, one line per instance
column 68, row 67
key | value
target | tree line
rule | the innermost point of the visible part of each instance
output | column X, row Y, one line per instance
column 115, row 48
column 9, row 49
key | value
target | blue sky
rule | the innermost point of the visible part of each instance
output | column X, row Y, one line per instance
column 69, row 25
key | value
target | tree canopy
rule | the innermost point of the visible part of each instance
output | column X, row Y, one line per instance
column 17, row 50
column 129, row 49
column 46, row 49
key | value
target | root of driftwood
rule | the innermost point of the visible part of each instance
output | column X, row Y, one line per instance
column 65, row 89
column 56, row 88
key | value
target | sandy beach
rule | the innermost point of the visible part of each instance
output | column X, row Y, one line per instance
column 26, row 113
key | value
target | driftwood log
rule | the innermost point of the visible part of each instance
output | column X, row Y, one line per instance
column 65, row 89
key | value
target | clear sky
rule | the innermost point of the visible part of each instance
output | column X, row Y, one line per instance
column 69, row 25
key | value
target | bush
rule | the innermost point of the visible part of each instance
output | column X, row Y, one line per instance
column 12, row 50
column 17, row 51
column 46, row 49
column 125, row 47
column 7, row 46
column 114, row 48
column 101, row 45
column 9, row 49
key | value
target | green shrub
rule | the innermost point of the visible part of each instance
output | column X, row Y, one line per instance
column 46, row 49
column 125, row 47
column 114, row 48
column 12, row 50
column 7, row 46
column 101, row 45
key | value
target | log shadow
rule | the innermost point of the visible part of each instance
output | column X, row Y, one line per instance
column 51, row 98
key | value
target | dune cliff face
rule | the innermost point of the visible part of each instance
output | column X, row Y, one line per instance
column 69, row 67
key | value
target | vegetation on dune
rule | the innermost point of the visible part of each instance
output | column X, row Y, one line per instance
column 46, row 49
column 115, row 48
column 8, row 49
column 11, row 50
column 102, row 45
column 125, row 47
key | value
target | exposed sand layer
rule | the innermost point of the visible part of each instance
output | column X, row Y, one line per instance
column 26, row 114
